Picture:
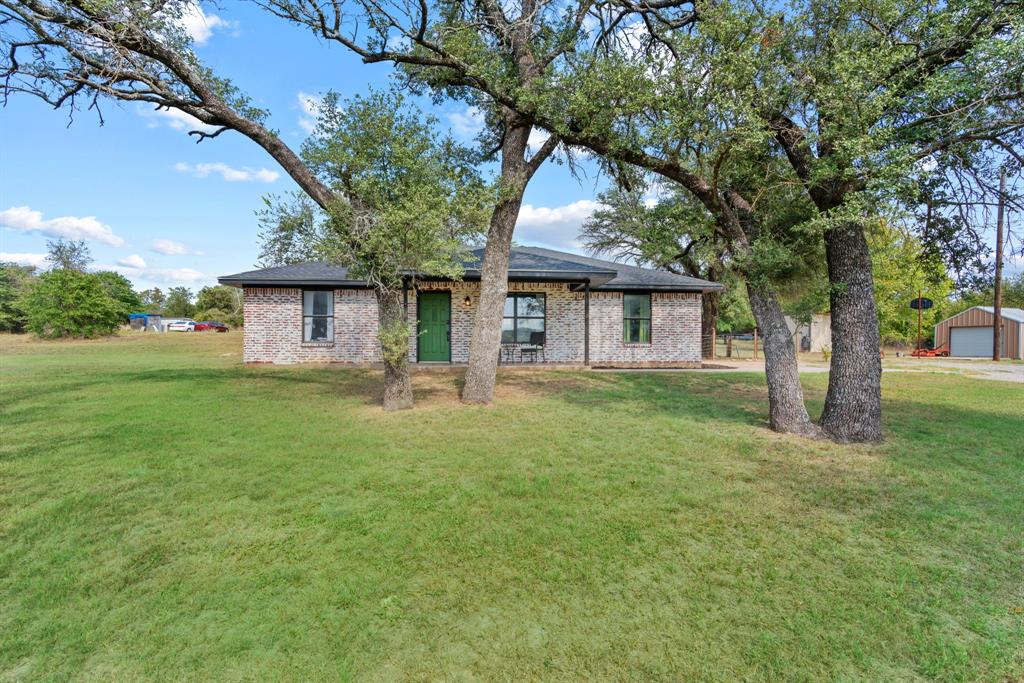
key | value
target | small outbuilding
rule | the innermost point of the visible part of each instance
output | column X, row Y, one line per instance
column 969, row 333
column 145, row 322
column 813, row 335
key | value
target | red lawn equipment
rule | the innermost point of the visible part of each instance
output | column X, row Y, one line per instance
column 940, row 352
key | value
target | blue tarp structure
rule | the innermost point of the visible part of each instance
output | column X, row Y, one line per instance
column 145, row 321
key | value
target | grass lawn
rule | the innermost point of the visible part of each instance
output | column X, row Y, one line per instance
column 168, row 514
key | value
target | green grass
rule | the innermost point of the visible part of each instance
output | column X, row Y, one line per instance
column 168, row 514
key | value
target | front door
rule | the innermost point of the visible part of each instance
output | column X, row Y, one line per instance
column 434, row 315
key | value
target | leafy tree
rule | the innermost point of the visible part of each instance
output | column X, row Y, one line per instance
column 153, row 300
column 179, row 303
column 68, row 255
column 220, row 297
column 70, row 303
column 903, row 267
column 678, row 234
column 67, row 52
column 15, row 281
column 120, row 290
column 450, row 52
column 407, row 203
column 852, row 97
column 734, row 308
column 672, row 234
column 70, row 51
column 220, row 303
column 1013, row 295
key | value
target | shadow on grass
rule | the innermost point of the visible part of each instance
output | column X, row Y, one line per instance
column 740, row 399
column 360, row 384
column 727, row 397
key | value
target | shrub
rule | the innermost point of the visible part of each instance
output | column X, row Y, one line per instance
column 70, row 303
column 14, row 283
column 120, row 290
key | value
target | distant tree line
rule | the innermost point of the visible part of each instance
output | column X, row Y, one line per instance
column 67, row 300
column 220, row 303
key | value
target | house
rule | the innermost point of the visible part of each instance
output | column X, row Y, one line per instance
column 969, row 333
column 812, row 336
column 561, row 308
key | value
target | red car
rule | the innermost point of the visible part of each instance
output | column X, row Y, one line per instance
column 207, row 325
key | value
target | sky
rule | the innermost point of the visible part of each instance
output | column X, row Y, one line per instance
column 165, row 211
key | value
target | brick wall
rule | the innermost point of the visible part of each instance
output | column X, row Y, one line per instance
column 564, row 323
column 675, row 331
column 273, row 326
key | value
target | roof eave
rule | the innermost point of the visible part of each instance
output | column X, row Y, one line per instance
column 709, row 287
column 232, row 281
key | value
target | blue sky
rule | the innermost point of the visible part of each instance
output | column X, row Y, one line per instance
column 165, row 211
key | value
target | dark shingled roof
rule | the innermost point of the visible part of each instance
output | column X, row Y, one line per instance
column 631, row 277
column 525, row 263
column 314, row 272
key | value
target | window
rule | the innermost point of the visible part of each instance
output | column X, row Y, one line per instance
column 318, row 316
column 524, row 315
column 636, row 318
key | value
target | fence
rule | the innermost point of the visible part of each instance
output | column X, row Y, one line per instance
column 737, row 346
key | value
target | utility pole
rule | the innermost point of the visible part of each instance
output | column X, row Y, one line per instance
column 919, row 320
column 997, row 306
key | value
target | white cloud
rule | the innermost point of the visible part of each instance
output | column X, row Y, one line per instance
column 228, row 173
column 536, row 140
column 24, row 258
column 468, row 123
column 172, row 248
column 199, row 25
column 1013, row 261
column 310, row 107
column 554, row 226
column 24, row 219
column 174, row 118
column 170, row 276
column 133, row 261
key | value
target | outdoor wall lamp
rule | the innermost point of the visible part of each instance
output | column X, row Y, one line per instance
column 466, row 302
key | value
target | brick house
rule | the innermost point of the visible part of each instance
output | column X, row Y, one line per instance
column 561, row 308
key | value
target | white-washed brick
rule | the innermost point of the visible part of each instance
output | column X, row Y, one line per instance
column 273, row 326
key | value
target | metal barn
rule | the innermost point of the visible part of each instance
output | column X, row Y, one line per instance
column 969, row 333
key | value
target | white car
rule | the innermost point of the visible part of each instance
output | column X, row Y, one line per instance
column 182, row 326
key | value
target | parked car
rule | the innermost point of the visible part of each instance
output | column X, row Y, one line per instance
column 208, row 325
column 182, row 326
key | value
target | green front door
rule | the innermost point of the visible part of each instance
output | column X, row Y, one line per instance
column 435, row 321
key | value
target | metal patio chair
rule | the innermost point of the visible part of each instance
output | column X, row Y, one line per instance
column 536, row 347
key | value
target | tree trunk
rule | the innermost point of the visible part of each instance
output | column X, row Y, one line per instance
column 853, row 404
column 485, row 342
column 709, row 304
column 394, row 343
column 786, row 410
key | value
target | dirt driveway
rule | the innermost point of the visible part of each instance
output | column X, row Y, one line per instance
column 1006, row 371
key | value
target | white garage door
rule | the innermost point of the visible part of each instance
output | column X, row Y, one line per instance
column 970, row 341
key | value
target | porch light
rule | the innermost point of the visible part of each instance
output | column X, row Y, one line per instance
column 466, row 302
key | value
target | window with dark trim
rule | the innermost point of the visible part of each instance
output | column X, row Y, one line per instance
column 524, row 315
column 318, row 315
column 636, row 318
